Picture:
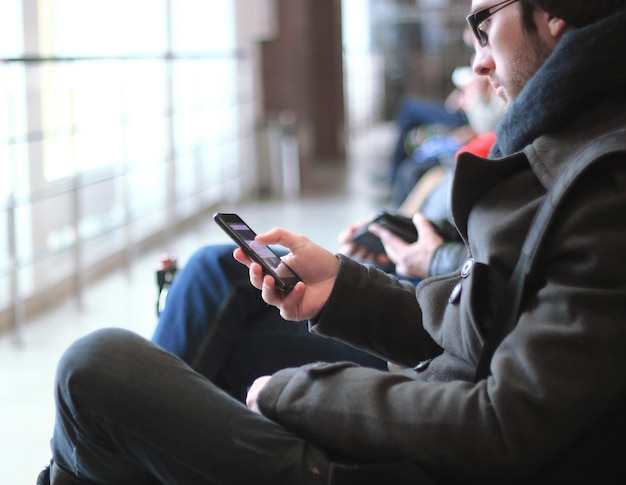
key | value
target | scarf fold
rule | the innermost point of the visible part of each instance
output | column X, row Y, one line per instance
column 588, row 65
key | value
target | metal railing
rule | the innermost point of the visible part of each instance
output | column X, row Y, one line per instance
column 186, row 155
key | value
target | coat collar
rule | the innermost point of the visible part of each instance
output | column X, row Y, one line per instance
column 473, row 176
column 549, row 153
column 546, row 156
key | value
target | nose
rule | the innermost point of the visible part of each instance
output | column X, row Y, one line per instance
column 483, row 63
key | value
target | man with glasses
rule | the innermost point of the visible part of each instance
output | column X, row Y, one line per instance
column 551, row 409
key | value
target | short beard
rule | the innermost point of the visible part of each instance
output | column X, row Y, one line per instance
column 528, row 62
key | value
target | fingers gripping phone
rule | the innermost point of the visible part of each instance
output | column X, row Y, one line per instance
column 401, row 226
column 271, row 263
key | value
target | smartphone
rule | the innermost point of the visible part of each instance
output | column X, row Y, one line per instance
column 401, row 226
column 271, row 262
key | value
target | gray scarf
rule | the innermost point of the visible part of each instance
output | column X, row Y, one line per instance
column 588, row 65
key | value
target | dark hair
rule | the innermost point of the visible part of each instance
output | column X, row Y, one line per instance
column 578, row 13
column 527, row 15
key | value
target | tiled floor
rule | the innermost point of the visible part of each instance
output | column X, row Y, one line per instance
column 127, row 299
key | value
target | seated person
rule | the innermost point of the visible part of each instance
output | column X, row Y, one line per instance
column 413, row 113
column 217, row 322
column 471, row 108
column 550, row 407
column 220, row 326
column 433, row 145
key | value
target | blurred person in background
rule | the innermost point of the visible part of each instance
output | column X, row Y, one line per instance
column 436, row 145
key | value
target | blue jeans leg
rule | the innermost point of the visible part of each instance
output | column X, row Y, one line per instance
column 211, row 285
column 216, row 321
column 130, row 413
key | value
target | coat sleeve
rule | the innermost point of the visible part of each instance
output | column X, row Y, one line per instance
column 447, row 258
column 370, row 309
column 556, row 388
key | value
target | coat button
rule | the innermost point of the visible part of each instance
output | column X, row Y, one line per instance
column 422, row 366
column 455, row 295
column 467, row 268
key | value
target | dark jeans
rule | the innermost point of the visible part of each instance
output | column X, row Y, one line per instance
column 129, row 412
column 216, row 321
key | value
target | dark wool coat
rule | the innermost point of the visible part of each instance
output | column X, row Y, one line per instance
column 554, row 407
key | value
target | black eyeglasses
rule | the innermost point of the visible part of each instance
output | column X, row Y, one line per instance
column 476, row 19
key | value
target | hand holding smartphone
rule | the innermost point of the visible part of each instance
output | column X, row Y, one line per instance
column 284, row 277
column 401, row 226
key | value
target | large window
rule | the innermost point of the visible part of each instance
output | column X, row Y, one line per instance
column 117, row 120
column 363, row 64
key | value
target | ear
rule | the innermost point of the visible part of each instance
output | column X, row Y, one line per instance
column 550, row 28
column 557, row 27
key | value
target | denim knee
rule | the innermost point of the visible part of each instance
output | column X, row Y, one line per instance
column 98, row 382
column 91, row 365
column 215, row 257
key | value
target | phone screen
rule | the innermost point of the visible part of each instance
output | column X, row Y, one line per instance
column 272, row 264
